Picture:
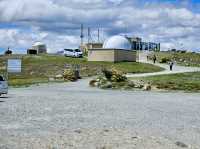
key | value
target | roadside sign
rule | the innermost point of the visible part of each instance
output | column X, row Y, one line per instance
column 14, row 66
column 67, row 66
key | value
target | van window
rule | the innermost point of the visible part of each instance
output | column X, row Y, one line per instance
column 1, row 78
column 77, row 50
column 70, row 50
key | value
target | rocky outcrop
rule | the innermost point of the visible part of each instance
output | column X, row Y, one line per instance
column 113, row 79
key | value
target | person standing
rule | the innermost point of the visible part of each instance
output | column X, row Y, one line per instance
column 171, row 65
column 154, row 59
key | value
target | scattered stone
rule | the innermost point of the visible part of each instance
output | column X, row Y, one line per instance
column 181, row 144
column 93, row 83
column 106, row 85
column 139, row 84
column 131, row 84
column 106, row 130
column 51, row 79
column 78, row 131
column 147, row 87
column 59, row 76
column 103, row 147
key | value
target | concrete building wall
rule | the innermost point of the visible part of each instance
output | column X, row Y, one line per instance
column 125, row 55
column 101, row 55
column 111, row 55
column 142, row 56
column 40, row 49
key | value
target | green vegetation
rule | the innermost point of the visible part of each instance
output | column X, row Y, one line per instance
column 186, row 59
column 26, row 81
column 183, row 81
column 40, row 68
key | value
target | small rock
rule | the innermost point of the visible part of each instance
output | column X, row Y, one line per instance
column 131, row 84
column 106, row 85
column 147, row 87
column 93, row 83
column 181, row 144
column 106, row 130
column 59, row 76
column 134, row 137
column 51, row 79
column 78, row 131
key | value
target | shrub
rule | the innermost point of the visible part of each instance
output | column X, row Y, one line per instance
column 114, row 75
column 107, row 73
column 164, row 60
column 118, row 76
column 69, row 75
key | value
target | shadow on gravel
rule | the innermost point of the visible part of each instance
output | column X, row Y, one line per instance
column 3, row 97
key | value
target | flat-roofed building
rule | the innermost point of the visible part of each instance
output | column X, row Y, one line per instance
column 37, row 48
column 115, row 49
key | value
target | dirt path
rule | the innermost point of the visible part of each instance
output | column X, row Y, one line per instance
column 176, row 69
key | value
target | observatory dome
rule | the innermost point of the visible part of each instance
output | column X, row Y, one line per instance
column 38, row 44
column 117, row 42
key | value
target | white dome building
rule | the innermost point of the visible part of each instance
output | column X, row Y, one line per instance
column 37, row 48
column 117, row 42
column 115, row 49
column 40, row 47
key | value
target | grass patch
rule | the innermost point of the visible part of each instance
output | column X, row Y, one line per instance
column 185, row 59
column 183, row 81
column 40, row 68
column 17, row 82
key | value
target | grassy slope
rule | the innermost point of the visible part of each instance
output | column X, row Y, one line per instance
column 183, row 81
column 39, row 68
column 186, row 59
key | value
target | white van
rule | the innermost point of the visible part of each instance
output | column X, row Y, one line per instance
column 73, row 53
column 3, row 86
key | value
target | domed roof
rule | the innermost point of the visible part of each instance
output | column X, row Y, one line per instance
column 117, row 42
column 38, row 44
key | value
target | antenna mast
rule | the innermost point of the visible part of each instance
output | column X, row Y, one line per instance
column 89, row 35
column 98, row 35
column 82, row 35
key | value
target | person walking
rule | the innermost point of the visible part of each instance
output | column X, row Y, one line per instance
column 171, row 65
column 154, row 59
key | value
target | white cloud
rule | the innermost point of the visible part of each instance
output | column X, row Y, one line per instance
column 57, row 22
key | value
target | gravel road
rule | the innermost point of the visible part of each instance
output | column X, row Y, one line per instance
column 75, row 116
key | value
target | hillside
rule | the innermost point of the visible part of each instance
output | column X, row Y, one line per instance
column 186, row 59
column 36, row 69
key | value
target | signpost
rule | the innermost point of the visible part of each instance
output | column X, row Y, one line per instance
column 14, row 66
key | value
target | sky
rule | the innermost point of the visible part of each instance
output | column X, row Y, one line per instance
column 173, row 23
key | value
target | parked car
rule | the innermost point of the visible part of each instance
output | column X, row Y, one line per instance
column 3, row 86
column 73, row 53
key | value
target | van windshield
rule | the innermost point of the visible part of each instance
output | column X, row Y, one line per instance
column 70, row 50
column 1, row 78
column 77, row 50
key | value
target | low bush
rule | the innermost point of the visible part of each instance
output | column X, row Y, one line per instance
column 114, row 75
column 69, row 75
column 164, row 60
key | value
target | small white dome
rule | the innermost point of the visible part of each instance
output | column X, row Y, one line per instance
column 117, row 42
column 38, row 44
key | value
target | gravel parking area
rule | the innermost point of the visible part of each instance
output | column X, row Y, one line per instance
column 75, row 116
